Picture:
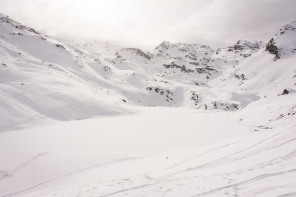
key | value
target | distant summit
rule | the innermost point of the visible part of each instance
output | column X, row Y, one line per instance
column 283, row 44
column 49, row 79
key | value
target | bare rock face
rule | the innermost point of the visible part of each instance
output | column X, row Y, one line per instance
column 285, row 92
column 16, row 25
column 240, row 50
column 273, row 49
column 283, row 44
column 133, row 51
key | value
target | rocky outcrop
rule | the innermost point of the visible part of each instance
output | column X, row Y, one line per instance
column 273, row 49
column 133, row 51
column 283, row 44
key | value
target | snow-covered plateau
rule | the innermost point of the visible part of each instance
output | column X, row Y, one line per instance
column 185, row 120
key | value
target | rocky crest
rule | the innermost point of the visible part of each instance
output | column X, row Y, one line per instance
column 133, row 51
column 240, row 50
column 5, row 19
column 174, row 74
column 283, row 44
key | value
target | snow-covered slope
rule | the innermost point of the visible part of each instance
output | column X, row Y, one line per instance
column 44, row 79
column 126, row 147
column 283, row 43
column 159, row 152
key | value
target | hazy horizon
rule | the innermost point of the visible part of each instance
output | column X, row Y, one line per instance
column 145, row 24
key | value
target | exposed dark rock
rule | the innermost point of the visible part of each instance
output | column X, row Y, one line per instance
column 242, row 77
column 33, row 30
column 285, row 92
column 192, row 57
column 117, row 55
column 183, row 68
column 209, row 68
column 287, row 28
column 167, row 93
column 273, row 49
column 137, row 52
column 60, row 46
column 215, row 104
column 106, row 68
column 163, row 47
column 235, row 106
column 194, row 63
column 194, row 97
column 14, row 34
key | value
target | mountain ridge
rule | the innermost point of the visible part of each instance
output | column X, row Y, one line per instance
column 46, row 79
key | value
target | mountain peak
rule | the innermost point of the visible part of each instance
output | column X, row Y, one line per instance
column 283, row 44
column 6, row 19
column 242, row 45
column 240, row 50
column 171, row 49
column 291, row 27
column 165, row 45
column 132, row 51
column 3, row 16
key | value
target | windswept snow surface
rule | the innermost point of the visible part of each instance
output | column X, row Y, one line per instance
column 93, row 120
column 157, row 152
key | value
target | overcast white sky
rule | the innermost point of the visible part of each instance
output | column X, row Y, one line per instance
column 146, row 23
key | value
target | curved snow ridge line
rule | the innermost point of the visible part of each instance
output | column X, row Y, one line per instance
column 205, row 193
column 202, row 154
column 288, row 195
column 270, row 189
column 146, row 185
column 28, row 162
column 257, row 178
column 283, row 143
column 215, row 162
column 267, row 163
column 69, row 174
column 253, row 153
column 229, row 157
column 220, row 160
column 236, row 155
column 180, row 163
column 5, row 174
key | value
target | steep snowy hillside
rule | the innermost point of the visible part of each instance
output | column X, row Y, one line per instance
column 230, row 130
column 44, row 79
column 158, row 152
column 283, row 44
column 265, row 75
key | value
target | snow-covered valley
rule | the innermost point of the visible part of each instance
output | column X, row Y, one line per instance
column 153, row 153
column 184, row 120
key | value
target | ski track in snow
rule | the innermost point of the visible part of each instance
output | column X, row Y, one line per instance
column 69, row 174
column 28, row 162
column 241, row 183
column 6, row 174
column 45, row 81
column 171, row 179
column 257, row 178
